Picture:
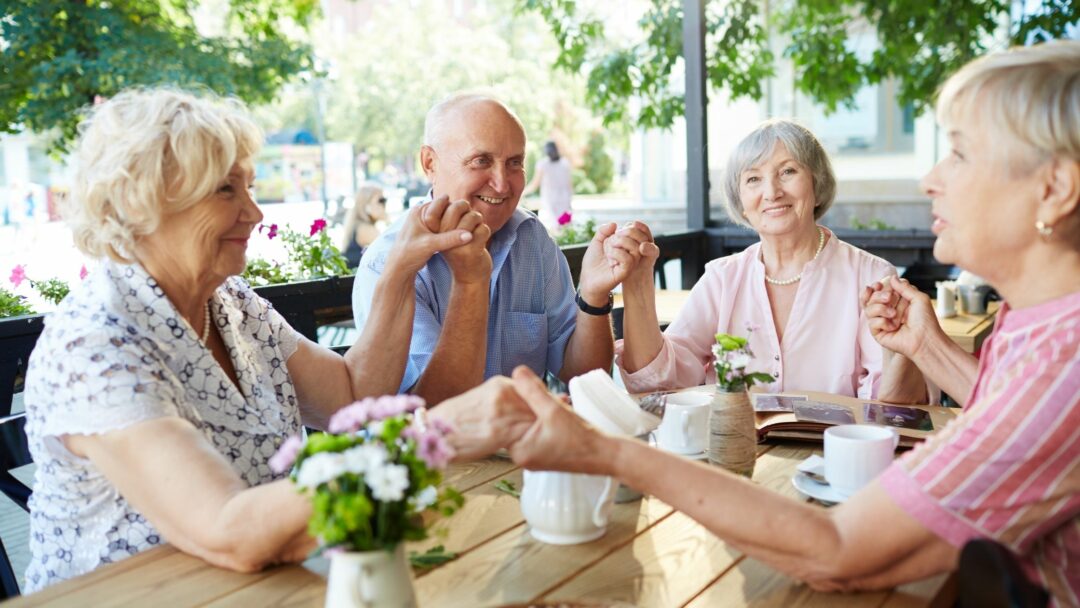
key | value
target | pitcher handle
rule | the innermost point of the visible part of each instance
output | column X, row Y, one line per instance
column 603, row 506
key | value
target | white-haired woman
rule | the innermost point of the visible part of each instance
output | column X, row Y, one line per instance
column 1006, row 204
column 797, row 290
column 161, row 386
column 363, row 225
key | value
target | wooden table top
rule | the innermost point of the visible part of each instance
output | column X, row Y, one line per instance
column 968, row 331
column 650, row 556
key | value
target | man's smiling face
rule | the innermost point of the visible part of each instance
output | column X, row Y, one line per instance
column 479, row 157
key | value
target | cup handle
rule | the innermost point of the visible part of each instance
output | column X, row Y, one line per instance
column 603, row 509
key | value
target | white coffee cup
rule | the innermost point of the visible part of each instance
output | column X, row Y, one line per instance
column 857, row 453
column 567, row 508
column 685, row 427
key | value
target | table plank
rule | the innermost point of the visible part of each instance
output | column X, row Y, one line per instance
column 487, row 513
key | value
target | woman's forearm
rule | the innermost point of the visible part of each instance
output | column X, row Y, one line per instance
column 901, row 380
column 376, row 361
column 642, row 339
column 948, row 366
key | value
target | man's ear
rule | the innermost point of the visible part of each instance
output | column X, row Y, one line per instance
column 1060, row 191
column 427, row 161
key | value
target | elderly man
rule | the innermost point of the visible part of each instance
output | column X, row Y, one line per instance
column 506, row 298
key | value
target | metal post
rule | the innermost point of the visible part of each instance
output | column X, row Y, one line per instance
column 697, row 133
column 317, row 86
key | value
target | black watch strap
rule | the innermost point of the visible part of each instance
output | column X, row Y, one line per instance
column 586, row 308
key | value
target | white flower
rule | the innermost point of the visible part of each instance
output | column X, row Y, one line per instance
column 365, row 457
column 739, row 361
column 319, row 469
column 424, row 499
column 389, row 482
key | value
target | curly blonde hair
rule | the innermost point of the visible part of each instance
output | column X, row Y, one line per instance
column 149, row 153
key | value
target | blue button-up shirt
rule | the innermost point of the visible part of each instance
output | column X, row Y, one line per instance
column 532, row 311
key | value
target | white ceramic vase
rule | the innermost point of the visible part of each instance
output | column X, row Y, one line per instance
column 370, row 579
column 567, row 508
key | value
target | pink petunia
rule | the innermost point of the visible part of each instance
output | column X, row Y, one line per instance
column 270, row 234
column 83, row 272
column 564, row 219
column 284, row 458
column 18, row 275
column 317, row 226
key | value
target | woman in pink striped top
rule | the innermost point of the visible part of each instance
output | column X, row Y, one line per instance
column 1005, row 203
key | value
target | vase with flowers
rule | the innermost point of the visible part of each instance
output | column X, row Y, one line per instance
column 732, row 432
column 371, row 478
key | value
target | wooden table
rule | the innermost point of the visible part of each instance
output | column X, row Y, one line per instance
column 968, row 331
column 650, row 556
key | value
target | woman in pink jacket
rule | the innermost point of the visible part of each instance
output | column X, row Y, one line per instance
column 795, row 294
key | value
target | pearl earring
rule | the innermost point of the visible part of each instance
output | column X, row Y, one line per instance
column 1044, row 230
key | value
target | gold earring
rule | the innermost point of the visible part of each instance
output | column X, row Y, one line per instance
column 1044, row 230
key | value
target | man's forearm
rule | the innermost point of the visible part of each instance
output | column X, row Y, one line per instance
column 591, row 346
column 457, row 364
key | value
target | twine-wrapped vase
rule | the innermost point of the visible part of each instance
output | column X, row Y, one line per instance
column 732, row 434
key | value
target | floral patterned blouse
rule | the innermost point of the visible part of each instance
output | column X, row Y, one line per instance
column 115, row 353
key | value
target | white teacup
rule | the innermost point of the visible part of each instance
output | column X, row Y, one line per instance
column 567, row 508
column 857, row 453
column 685, row 427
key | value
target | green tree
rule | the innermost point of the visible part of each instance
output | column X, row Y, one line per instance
column 921, row 43
column 598, row 166
column 59, row 55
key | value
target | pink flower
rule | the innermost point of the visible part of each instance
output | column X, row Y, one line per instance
column 352, row 418
column 286, row 455
column 83, row 273
column 564, row 219
column 18, row 275
column 317, row 226
column 431, row 444
column 271, row 230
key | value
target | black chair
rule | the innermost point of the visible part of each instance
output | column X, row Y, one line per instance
column 990, row 576
column 14, row 453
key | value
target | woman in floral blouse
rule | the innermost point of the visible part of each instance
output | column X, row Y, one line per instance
column 160, row 388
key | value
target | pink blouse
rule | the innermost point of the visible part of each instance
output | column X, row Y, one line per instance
column 827, row 344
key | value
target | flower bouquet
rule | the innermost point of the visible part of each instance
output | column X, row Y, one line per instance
column 371, row 478
column 732, row 429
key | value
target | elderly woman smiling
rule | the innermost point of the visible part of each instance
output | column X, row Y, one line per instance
column 798, row 289
column 161, row 386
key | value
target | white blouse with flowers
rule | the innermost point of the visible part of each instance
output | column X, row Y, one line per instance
column 117, row 353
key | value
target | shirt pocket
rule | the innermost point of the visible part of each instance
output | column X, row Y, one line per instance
column 526, row 337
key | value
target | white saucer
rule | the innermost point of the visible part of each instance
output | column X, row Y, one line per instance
column 821, row 492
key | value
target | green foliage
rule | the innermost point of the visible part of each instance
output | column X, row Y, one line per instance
column 53, row 290
column 432, row 557
column 874, row 224
column 60, row 55
column 507, row 487
column 574, row 233
column 261, row 272
column 731, row 355
column 314, row 255
column 598, row 166
column 921, row 43
column 13, row 305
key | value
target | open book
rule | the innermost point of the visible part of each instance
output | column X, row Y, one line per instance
column 806, row 415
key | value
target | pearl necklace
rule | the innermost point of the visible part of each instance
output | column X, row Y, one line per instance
column 796, row 278
column 206, row 324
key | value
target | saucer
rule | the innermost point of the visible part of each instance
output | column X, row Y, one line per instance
column 820, row 492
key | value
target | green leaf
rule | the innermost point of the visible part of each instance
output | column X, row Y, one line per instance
column 506, row 486
column 432, row 557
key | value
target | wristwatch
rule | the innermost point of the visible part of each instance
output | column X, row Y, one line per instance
column 586, row 308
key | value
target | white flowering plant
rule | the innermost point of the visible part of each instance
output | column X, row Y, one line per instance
column 373, row 475
column 731, row 356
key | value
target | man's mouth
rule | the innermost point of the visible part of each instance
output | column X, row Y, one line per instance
column 491, row 200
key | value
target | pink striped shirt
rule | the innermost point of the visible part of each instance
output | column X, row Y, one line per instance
column 827, row 345
column 1009, row 467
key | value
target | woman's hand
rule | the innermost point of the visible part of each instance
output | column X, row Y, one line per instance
column 423, row 234
column 900, row 316
column 632, row 253
column 486, row 418
column 558, row 439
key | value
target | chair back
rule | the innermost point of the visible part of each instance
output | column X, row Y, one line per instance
column 990, row 576
column 14, row 453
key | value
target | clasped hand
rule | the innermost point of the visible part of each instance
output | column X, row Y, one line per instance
column 618, row 255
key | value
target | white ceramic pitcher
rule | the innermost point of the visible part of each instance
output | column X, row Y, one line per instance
column 567, row 508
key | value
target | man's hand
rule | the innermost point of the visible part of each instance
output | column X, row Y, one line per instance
column 900, row 316
column 471, row 263
column 606, row 265
column 486, row 418
column 418, row 240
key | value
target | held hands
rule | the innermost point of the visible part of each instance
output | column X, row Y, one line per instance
column 420, row 237
column 615, row 256
column 486, row 418
column 900, row 316
column 470, row 263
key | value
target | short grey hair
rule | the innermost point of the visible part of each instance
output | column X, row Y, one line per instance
column 437, row 119
column 759, row 144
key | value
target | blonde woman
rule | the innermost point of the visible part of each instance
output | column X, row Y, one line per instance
column 366, row 219
column 161, row 386
column 1006, row 201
